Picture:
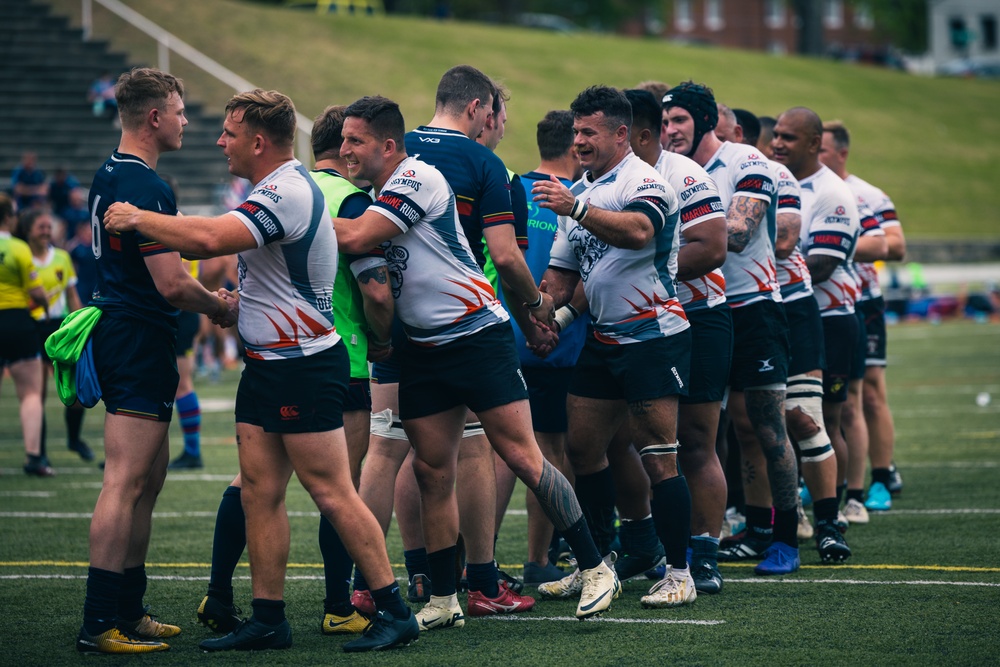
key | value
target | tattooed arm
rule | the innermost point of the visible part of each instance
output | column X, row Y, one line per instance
column 745, row 215
column 789, row 225
column 378, row 303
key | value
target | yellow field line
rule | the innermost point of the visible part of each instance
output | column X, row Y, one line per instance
column 314, row 566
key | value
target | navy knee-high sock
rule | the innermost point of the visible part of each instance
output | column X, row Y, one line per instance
column 671, row 504
column 337, row 567
column 228, row 544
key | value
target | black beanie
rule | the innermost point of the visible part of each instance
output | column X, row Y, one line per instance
column 698, row 101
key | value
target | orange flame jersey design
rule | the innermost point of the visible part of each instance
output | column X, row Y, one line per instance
column 714, row 282
column 648, row 310
column 472, row 306
column 838, row 294
column 311, row 329
column 769, row 274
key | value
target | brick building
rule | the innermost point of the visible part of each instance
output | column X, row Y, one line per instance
column 770, row 25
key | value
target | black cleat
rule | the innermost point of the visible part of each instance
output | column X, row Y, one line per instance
column 419, row 590
column 707, row 578
column 186, row 462
column 831, row 544
column 635, row 563
column 39, row 466
column 746, row 549
column 81, row 448
column 251, row 635
column 218, row 617
column 895, row 484
column 513, row 583
column 385, row 632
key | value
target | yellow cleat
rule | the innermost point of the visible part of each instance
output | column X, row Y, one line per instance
column 116, row 640
column 352, row 624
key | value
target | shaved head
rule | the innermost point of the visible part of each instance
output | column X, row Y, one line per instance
column 804, row 119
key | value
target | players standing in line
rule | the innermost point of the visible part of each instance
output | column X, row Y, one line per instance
column 289, row 402
column 453, row 322
column 548, row 377
column 618, row 229
column 881, row 431
column 701, row 291
column 803, row 404
column 830, row 229
column 141, row 285
column 760, row 357
column 360, row 295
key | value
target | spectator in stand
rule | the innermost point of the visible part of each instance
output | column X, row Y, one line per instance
column 63, row 183
column 75, row 211
column 29, row 183
column 102, row 96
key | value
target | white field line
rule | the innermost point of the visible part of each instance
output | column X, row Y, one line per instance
column 753, row 580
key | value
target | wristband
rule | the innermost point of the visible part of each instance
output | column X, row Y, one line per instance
column 579, row 210
column 536, row 304
column 565, row 316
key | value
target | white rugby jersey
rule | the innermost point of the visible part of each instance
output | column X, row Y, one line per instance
column 885, row 214
column 630, row 292
column 741, row 171
column 698, row 199
column 830, row 226
column 793, row 274
column 441, row 293
column 286, row 283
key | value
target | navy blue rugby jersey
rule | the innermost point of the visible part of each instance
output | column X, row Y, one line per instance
column 476, row 175
column 124, row 285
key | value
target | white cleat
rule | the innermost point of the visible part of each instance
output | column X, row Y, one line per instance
column 600, row 586
column 855, row 512
column 675, row 589
column 441, row 612
column 562, row 589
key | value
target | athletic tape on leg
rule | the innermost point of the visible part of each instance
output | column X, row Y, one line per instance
column 659, row 450
column 805, row 393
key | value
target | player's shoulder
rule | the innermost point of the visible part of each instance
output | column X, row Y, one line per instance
column 682, row 172
column 782, row 175
column 744, row 157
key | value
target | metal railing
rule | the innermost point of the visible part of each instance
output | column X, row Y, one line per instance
column 167, row 43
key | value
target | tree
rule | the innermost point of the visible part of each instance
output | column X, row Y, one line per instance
column 903, row 22
column 810, row 21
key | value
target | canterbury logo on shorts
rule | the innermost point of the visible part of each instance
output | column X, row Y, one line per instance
column 289, row 412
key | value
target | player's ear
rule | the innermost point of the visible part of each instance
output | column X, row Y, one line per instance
column 153, row 116
column 389, row 147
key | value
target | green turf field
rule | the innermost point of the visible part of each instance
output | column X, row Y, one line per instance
column 930, row 143
column 922, row 588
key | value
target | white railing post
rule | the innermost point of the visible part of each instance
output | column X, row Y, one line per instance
column 305, row 147
column 163, row 53
column 87, row 19
column 166, row 42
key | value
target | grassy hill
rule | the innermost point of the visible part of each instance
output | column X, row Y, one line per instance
column 930, row 143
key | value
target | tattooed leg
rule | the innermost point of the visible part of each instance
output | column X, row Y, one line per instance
column 766, row 409
column 557, row 498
